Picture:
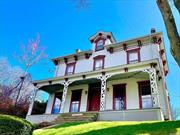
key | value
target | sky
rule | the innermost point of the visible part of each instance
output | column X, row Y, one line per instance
column 63, row 28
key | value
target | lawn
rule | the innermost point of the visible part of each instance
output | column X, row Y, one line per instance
column 113, row 128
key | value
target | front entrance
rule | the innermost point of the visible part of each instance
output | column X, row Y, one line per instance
column 94, row 97
column 119, row 97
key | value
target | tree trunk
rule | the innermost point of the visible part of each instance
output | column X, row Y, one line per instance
column 171, row 28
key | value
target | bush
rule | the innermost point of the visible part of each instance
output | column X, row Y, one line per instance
column 12, row 125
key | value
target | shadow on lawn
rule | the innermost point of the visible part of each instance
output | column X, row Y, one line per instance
column 159, row 128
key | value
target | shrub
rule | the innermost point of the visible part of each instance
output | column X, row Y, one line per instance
column 12, row 125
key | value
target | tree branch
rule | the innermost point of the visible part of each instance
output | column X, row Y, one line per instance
column 171, row 28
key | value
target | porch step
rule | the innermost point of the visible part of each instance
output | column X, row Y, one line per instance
column 75, row 117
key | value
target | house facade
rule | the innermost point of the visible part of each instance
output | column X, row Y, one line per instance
column 119, row 80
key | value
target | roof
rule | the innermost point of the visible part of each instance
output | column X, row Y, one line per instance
column 97, row 34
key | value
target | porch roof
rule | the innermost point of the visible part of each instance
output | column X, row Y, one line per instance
column 78, row 76
column 51, row 88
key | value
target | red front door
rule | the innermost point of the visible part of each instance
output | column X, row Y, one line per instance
column 94, row 99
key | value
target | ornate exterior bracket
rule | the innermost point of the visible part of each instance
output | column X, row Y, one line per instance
column 103, row 79
column 66, row 84
column 154, row 88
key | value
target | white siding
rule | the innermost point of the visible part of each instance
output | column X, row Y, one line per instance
column 119, row 57
column 83, row 97
column 132, row 97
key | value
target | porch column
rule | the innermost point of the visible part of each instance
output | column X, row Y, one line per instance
column 154, row 88
column 103, row 79
column 32, row 102
column 66, row 84
column 50, row 103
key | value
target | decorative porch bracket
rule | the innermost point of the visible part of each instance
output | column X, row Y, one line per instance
column 103, row 79
column 32, row 101
column 154, row 88
column 66, row 84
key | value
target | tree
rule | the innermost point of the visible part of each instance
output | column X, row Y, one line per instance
column 9, row 77
column 15, row 83
column 31, row 54
column 171, row 28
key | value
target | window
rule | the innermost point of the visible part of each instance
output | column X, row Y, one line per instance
column 133, row 56
column 99, row 62
column 57, row 103
column 99, row 45
column 75, row 100
column 145, row 98
column 119, row 97
column 70, row 68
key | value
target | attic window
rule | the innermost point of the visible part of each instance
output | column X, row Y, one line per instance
column 100, row 45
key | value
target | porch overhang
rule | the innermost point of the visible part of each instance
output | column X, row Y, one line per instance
column 118, row 72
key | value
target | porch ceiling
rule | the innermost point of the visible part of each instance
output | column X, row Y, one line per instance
column 85, row 81
column 51, row 88
column 139, row 74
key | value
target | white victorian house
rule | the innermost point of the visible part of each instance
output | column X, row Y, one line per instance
column 118, row 80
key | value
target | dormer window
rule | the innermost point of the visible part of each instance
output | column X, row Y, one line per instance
column 100, row 45
column 98, row 62
column 70, row 68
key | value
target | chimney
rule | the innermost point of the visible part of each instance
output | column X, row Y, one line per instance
column 78, row 50
column 153, row 30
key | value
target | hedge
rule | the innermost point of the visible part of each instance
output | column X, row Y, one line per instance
column 12, row 125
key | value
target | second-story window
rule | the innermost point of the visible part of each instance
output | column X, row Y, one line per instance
column 99, row 45
column 70, row 68
column 133, row 55
column 98, row 62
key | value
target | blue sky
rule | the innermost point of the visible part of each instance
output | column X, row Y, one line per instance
column 63, row 29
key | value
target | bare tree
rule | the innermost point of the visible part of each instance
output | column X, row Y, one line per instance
column 9, row 78
column 171, row 28
column 31, row 54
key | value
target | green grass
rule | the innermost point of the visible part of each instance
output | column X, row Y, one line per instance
column 113, row 128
